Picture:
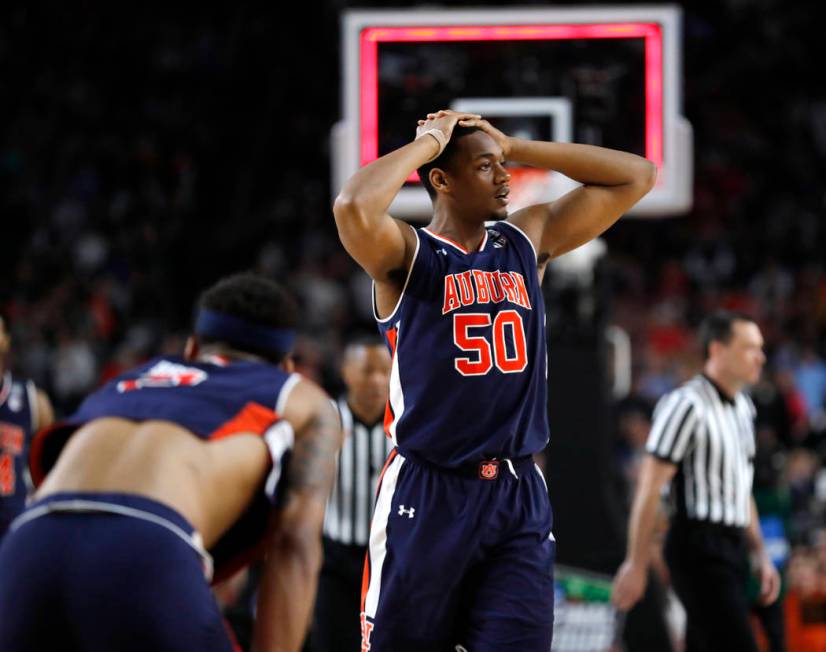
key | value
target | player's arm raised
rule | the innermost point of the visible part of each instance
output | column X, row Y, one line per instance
column 612, row 182
column 379, row 243
column 288, row 583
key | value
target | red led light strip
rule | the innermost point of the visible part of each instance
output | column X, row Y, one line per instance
column 651, row 32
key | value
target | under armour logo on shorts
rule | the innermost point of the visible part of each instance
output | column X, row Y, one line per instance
column 409, row 512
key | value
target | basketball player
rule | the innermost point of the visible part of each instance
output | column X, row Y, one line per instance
column 23, row 410
column 366, row 372
column 461, row 549
column 167, row 470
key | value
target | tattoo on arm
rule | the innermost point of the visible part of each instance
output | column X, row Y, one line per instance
column 312, row 463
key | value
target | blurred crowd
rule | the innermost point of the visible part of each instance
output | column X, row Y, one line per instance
column 755, row 242
column 140, row 164
column 137, row 165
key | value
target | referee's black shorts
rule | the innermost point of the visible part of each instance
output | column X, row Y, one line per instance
column 709, row 571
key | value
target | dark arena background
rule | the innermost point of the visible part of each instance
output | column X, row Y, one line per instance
column 148, row 151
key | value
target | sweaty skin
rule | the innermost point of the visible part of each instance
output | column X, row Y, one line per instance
column 209, row 483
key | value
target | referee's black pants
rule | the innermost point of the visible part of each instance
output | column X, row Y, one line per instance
column 336, row 626
column 709, row 571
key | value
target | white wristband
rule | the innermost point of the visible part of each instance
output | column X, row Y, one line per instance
column 279, row 438
column 440, row 137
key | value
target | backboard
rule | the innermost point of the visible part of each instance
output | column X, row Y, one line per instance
column 609, row 76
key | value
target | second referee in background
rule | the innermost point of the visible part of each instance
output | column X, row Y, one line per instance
column 702, row 438
column 366, row 374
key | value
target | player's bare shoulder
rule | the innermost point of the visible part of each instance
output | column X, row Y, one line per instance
column 382, row 245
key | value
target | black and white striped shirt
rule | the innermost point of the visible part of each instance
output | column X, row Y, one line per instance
column 360, row 461
column 711, row 438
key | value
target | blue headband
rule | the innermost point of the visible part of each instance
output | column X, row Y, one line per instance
column 234, row 330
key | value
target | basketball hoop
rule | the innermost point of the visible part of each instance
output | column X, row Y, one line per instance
column 528, row 186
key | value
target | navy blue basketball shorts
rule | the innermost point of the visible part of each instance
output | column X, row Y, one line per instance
column 459, row 560
column 102, row 572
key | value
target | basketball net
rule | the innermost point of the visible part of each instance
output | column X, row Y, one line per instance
column 528, row 186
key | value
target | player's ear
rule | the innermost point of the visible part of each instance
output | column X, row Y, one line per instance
column 191, row 347
column 438, row 179
column 288, row 364
column 715, row 348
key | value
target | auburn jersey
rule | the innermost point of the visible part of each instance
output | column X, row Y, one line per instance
column 469, row 372
column 17, row 421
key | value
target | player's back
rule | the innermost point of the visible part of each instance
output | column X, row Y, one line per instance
column 209, row 483
column 208, row 397
column 468, row 380
column 187, row 434
column 211, row 398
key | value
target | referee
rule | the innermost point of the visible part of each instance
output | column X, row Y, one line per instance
column 366, row 374
column 702, row 439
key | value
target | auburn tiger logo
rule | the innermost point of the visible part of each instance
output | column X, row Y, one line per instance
column 489, row 470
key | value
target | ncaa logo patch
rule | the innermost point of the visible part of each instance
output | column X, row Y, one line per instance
column 489, row 470
column 497, row 239
column 165, row 374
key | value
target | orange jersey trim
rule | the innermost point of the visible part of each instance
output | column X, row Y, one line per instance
column 253, row 418
column 389, row 415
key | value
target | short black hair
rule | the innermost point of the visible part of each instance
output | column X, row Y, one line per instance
column 255, row 299
column 366, row 340
column 446, row 158
column 717, row 327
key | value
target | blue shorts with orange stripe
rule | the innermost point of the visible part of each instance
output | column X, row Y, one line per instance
column 459, row 559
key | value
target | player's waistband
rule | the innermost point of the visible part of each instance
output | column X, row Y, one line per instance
column 119, row 504
column 487, row 469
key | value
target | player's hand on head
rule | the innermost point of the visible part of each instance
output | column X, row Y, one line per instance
column 501, row 138
column 444, row 120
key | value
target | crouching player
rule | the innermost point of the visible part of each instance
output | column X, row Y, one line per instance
column 164, row 479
